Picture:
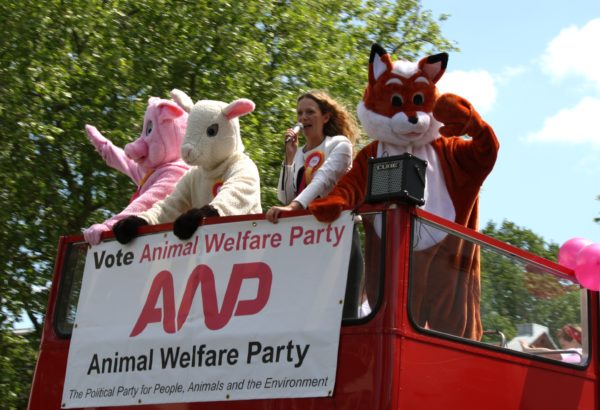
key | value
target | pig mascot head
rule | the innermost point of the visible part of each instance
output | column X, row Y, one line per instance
column 162, row 133
column 152, row 161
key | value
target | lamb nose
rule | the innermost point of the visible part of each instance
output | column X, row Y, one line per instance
column 413, row 120
column 185, row 150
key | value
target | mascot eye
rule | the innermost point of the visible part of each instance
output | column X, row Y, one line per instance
column 418, row 99
column 148, row 127
column 212, row 130
column 397, row 100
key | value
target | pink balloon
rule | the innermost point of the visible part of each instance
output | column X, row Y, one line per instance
column 567, row 254
column 587, row 267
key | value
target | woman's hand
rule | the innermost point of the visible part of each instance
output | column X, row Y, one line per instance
column 274, row 212
column 291, row 145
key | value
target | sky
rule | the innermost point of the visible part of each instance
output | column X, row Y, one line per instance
column 531, row 68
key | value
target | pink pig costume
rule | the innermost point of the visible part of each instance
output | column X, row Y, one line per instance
column 153, row 161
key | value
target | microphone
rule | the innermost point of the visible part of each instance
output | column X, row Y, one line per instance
column 296, row 128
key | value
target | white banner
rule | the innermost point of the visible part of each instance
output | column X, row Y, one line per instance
column 242, row 310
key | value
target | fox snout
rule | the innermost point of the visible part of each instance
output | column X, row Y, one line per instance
column 403, row 123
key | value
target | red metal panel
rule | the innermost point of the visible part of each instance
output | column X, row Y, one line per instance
column 441, row 372
column 46, row 389
column 436, row 376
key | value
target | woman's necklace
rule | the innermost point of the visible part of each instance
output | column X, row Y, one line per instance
column 306, row 148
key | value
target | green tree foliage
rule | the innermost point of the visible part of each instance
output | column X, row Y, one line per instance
column 65, row 63
column 516, row 293
column 17, row 353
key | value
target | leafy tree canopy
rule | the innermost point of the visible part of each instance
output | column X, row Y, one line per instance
column 68, row 63
column 65, row 63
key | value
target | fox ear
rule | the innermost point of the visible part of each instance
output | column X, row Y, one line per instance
column 434, row 66
column 379, row 62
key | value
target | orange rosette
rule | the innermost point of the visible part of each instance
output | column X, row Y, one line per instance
column 312, row 163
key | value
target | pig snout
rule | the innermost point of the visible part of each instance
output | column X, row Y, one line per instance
column 137, row 150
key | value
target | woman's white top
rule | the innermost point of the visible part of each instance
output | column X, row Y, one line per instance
column 333, row 158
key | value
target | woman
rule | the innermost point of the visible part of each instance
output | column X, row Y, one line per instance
column 311, row 171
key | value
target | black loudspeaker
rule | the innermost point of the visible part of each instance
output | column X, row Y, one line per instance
column 400, row 178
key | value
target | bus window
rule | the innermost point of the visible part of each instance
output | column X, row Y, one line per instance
column 363, row 288
column 70, row 285
column 470, row 289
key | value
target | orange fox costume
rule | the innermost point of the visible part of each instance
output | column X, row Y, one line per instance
column 402, row 112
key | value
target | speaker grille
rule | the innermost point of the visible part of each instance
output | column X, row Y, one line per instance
column 398, row 178
column 386, row 181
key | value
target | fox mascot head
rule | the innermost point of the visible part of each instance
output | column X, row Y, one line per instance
column 401, row 111
column 399, row 99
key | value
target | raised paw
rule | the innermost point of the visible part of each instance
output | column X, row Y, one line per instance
column 95, row 137
column 458, row 116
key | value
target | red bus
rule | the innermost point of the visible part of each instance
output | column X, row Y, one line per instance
column 386, row 360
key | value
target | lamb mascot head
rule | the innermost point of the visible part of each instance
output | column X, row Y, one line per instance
column 223, row 180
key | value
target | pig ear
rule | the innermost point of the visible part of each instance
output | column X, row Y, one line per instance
column 168, row 110
column 238, row 108
column 182, row 99
column 379, row 62
column 434, row 66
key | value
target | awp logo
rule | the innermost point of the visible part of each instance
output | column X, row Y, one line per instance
column 203, row 276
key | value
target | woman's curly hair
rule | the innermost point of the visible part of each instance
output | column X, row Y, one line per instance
column 341, row 122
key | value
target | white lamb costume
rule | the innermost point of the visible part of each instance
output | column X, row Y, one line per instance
column 222, row 175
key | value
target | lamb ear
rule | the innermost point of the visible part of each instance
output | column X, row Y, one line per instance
column 434, row 66
column 182, row 99
column 238, row 108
